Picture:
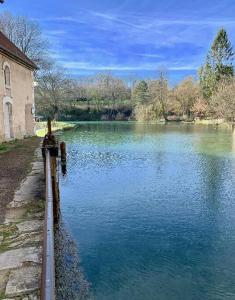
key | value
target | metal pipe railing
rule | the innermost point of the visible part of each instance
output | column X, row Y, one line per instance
column 48, row 264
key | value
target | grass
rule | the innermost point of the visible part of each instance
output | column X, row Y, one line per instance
column 13, row 144
column 7, row 146
column 56, row 126
column 3, row 148
column 35, row 207
column 2, row 295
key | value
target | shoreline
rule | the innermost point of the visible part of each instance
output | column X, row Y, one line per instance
column 41, row 127
column 69, row 125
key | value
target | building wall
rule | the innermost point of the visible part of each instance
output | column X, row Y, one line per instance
column 20, row 95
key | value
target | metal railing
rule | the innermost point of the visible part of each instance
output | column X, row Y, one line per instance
column 48, row 264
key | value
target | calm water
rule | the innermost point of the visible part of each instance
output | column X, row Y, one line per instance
column 152, row 208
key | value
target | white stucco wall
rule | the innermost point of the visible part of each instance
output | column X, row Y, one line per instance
column 22, row 98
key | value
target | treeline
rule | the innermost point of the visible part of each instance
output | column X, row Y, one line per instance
column 102, row 97
column 210, row 97
column 105, row 97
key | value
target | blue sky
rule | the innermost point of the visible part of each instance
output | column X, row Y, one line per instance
column 129, row 37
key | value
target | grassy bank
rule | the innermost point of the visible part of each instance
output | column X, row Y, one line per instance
column 216, row 122
column 41, row 127
column 14, row 145
column 210, row 122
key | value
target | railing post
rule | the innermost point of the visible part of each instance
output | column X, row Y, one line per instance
column 63, row 157
column 51, row 144
column 55, row 188
column 63, row 151
column 49, row 127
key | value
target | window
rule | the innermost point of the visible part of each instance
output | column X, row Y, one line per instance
column 7, row 76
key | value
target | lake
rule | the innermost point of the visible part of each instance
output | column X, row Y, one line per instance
column 152, row 209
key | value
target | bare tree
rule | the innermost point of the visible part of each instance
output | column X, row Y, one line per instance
column 223, row 101
column 106, row 90
column 201, row 108
column 27, row 35
column 159, row 94
column 52, row 90
column 187, row 93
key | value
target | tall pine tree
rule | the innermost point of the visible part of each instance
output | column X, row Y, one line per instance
column 219, row 64
column 141, row 92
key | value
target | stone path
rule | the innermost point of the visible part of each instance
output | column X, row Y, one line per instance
column 21, row 238
column 14, row 167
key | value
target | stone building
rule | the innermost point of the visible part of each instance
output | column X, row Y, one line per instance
column 16, row 92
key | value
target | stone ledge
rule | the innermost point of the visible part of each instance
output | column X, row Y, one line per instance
column 23, row 281
column 32, row 225
column 16, row 258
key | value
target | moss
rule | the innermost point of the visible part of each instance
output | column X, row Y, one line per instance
column 34, row 207
column 8, row 230
column 3, row 248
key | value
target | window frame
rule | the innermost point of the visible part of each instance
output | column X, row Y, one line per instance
column 7, row 66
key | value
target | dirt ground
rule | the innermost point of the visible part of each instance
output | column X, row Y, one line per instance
column 15, row 164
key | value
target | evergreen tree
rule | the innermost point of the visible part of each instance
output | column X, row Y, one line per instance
column 208, row 79
column 141, row 92
column 219, row 64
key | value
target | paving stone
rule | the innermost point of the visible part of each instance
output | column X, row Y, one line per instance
column 10, row 229
column 38, row 216
column 4, row 275
column 27, row 188
column 18, row 204
column 23, row 281
column 31, row 297
column 33, row 225
column 28, row 241
column 20, row 237
column 14, row 214
column 16, row 258
column 23, row 237
column 27, row 191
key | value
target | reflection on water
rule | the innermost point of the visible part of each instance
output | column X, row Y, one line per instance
column 152, row 210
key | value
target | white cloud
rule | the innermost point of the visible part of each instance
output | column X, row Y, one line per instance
column 141, row 22
column 55, row 32
column 142, row 67
column 150, row 55
column 101, row 41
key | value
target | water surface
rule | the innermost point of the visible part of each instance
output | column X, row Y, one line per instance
column 152, row 209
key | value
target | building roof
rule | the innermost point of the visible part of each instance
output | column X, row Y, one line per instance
column 10, row 49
